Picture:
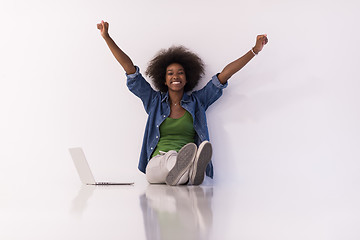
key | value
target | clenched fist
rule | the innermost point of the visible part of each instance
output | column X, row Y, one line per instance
column 104, row 29
column 261, row 41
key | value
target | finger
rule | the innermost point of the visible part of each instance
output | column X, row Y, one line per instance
column 99, row 26
column 266, row 40
column 260, row 38
column 104, row 28
column 263, row 39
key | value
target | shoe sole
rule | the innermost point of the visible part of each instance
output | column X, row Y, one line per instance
column 184, row 160
column 202, row 159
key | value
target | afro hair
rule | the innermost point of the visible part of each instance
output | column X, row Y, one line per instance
column 192, row 64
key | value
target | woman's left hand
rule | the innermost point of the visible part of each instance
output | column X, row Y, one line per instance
column 261, row 40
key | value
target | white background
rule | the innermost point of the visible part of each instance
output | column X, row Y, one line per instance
column 290, row 118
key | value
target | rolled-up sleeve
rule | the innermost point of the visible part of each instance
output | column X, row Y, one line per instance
column 133, row 75
column 215, row 80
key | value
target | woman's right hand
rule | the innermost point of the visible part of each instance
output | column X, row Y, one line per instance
column 104, row 29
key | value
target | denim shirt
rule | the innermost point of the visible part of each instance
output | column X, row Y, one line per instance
column 157, row 107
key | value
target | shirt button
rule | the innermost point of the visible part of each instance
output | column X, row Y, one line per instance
column 157, row 136
column 151, row 148
column 164, row 116
column 157, row 126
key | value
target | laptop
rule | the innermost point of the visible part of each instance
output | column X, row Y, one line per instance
column 84, row 170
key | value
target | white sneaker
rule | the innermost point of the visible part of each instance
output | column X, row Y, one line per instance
column 184, row 160
column 203, row 157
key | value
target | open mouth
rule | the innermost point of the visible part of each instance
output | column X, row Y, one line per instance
column 175, row 82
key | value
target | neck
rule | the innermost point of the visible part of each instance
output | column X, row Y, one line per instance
column 175, row 97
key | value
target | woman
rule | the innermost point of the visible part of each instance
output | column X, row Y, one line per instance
column 176, row 120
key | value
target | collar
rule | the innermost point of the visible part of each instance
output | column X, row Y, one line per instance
column 165, row 97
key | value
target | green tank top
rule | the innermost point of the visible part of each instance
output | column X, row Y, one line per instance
column 175, row 133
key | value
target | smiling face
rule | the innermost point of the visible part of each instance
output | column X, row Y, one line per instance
column 175, row 78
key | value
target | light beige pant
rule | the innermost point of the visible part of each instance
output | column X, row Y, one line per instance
column 159, row 167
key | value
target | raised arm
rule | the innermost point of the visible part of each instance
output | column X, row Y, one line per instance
column 120, row 56
column 238, row 64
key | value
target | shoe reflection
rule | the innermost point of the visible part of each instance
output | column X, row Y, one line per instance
column 182, row 212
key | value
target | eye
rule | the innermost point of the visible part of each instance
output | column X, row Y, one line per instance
column 170, row 73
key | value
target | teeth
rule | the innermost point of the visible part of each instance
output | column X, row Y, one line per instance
column 175, row 82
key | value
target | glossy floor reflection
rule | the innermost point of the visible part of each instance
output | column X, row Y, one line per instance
column 182, row 212
column 272, row 209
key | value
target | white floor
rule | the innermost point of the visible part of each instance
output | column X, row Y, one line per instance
column 210, row 211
